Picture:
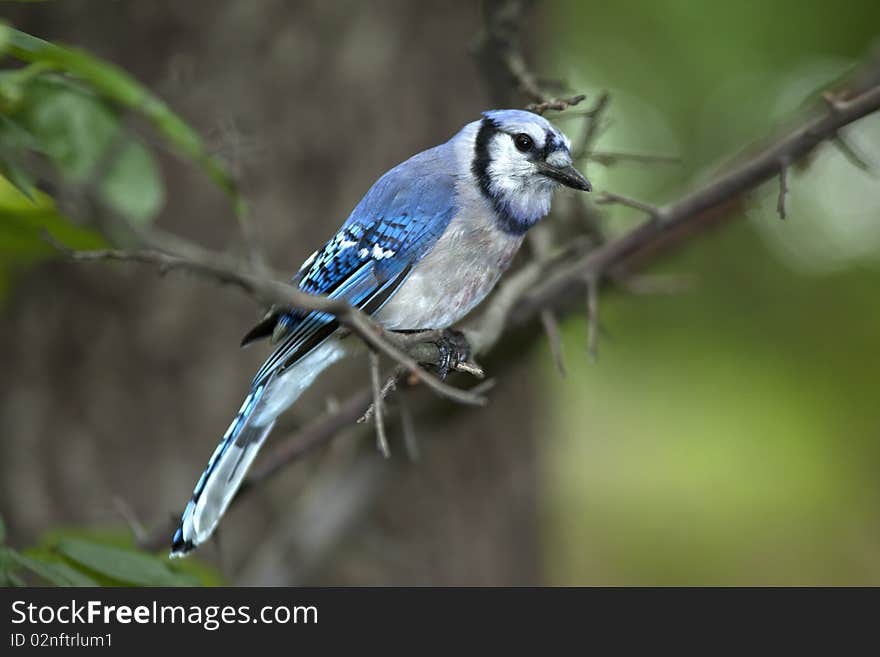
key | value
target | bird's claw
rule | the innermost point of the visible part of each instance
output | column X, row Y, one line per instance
column 454, row 350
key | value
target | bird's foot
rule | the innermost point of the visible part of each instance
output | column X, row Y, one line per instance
column 454, row 351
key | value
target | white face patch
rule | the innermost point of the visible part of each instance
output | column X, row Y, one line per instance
column 514, row 179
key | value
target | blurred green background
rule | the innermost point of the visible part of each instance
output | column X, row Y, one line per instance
column 729, row 434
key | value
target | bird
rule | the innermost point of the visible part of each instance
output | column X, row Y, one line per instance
column 428, row 241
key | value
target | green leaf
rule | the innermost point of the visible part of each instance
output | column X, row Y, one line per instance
column 23, row 221
column 72, row 556
column 21, row 232
column 116, row 85
column 86, row 141
column 14, row 579
column 12, row 84
column 205, row 574
column 17, row 177
column 5, row 37
column 133, row 186
column 125, row 566
column 197, row 571
column 54, row 572
column 14, row 142
column 8, row 576
column 71, row 126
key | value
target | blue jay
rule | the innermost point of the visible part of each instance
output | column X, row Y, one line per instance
column 425, row 245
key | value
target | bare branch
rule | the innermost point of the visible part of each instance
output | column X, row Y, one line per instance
column 540, row 241
column 850, row 153
column 500, row 51
column 408, row 425
column 378, row 405
column 386, row 389
column 315, row 434
column 609, row 198
column 610, row 158
column 125, row 511
column 593, row 317
column 695, row 206
column 593, row 121
column 551, row 328
column 558, row 104
column 270, row 292
column 650, row 284
column 833, row 100
column 233, row 146
column 783, row 189
column 493, row 322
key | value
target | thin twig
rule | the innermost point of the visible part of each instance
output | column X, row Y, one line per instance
column 609, row 198
column 386, row 389
column 652, row 284
column 783, row 189
column 557, row 104
column 551, row 328
column 846, row 149
column 315, row 434
column 500, row 51
column 592, row 122
column 127, row 513
column 408, row 426
column 610, row 158
column 541, row 242
column 378, row 406
column 593, row 318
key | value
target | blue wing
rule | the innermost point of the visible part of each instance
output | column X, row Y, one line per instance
column 390, row 230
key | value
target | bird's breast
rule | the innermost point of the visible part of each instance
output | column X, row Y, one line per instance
column 456, row 275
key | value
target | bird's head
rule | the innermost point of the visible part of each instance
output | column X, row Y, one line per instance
column 519, row 159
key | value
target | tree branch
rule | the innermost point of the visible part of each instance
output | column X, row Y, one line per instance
column 548, row 283
column 783, row 189
column 609, row 198
column 500, row 51
column 379, row 394
column 693, row 207
column 270, row 292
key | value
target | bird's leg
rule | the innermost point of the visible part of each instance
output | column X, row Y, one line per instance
column 454, row 350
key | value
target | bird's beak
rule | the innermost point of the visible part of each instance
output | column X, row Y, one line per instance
column 567, row 175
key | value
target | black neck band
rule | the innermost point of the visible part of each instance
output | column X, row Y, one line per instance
column 480, row 167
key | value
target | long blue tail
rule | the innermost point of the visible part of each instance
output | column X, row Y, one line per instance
column 221, row 479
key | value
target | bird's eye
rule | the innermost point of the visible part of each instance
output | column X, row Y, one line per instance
column 523, row 142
